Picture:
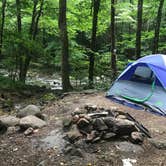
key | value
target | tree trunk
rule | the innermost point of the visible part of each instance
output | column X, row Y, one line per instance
column 2, row 26
column 157, row 28
column 139, row 28
column 37, row 20
column 65, row 50
column 19, row 60
column 113, row 51
column 96, row 6
column 32, row 34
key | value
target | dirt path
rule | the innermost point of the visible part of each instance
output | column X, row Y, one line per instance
column 44, row 147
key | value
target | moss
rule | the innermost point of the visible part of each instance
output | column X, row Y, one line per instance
column 48, row 97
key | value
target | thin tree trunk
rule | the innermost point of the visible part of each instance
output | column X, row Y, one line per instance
column 96, row 6
column 19, row 60
column 113, row 51
column 32, row 33
column 2, row 26
column 157, row 28
column 37, row 20
column 18, row 6
column 139, row 28
column 65, row 50
column 34, row 13
column 130, row 27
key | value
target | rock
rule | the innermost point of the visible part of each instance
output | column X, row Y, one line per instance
column 9, row 120
column 31, row 121
column 28, row 131
column 159, row 144
column 91, row 136
column 7, row 105
column 67, row 122
column 109, row 121
column 137, row 137
column 108, row 135
column 42, row 116
column 96, row 139
column 90, row 108
column 98, row 124
column 42, row 163
column 29, row 110
column 73, row 135
column 77, row 111
column 75, row 118
column 73, row 151
column 12, row 130
column 82, row 122
column 121, row 117
column 123, row 127
column 84, row 126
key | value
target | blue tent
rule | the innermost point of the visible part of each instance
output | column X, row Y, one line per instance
column 142, row 84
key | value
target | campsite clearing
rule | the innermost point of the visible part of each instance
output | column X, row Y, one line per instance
column 45, row 145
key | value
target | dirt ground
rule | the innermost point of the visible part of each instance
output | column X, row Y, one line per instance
column 44, row 147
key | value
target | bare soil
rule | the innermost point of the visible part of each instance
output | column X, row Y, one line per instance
column 44, row 147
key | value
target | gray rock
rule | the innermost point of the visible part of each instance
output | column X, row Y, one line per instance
column 91, row 136
column 31, row 121
column 75, row 118
column 121, row 117
column 67, row 122
column 123, row 127
column 96, row 139
column 29, row 110
column 99, row 124
column 109, row 121
column 108, row 135
column 42, row 116
column 12, row 130
column 9, row 120
column 42, row 163
column 29, row 131
column 137, row 137
column 73, row 151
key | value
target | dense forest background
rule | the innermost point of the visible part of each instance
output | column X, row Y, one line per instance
column 80, row 39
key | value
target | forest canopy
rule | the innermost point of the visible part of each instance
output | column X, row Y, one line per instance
column 79, row 38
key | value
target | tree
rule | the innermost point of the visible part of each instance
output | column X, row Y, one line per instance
column 19, row 30
column 65, row 46
column 32, row 36
column 139, row 28
column 113, row 52
column 2, row 25
column 96, row 6
column 157, row 28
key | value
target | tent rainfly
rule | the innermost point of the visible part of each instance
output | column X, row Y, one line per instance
column 142, row 84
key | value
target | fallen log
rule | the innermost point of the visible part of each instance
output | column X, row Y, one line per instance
column 139, row 125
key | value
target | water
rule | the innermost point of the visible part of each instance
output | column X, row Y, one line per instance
column 52, row 82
